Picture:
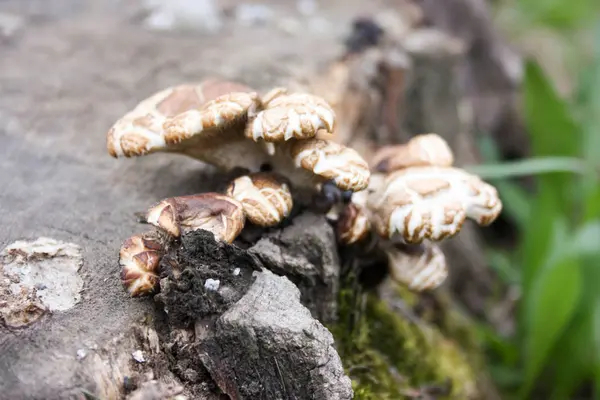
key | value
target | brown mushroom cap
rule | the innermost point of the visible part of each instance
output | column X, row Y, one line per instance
column 204, row 121
column 422, row 269
column 332, row 161
column 353, row 224
column 422, row 150
column 213, row 212
column 266, row 198
column 298, row 115
column 139, row 259
column 431, row 203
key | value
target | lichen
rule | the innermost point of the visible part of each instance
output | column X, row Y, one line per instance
column 388, row 356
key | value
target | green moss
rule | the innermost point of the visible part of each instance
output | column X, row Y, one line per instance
column 385, row 354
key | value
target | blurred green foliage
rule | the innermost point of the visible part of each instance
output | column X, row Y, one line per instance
column 555, row 351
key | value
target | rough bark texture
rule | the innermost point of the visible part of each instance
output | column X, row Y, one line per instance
column 306, row 253
column 267, row 346
column 251, row 332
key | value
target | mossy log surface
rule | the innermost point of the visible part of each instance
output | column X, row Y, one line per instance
column 390, row 357
column 393, row 346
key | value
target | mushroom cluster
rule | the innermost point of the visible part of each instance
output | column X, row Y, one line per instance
column 416, row 198
column 230, row 126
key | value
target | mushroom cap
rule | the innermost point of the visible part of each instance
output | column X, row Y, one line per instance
column 213, row 212
column 298, row 115
column 431, row 203
column 422, row 150
column 353, row 224
column 332, row 161
column 265, row 196
column 189, row 118
column 425, row 269
column 139, row 258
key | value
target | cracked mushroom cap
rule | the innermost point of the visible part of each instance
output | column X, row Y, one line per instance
column 353, row 224
column 213, row 212
column 200, row 120
column 421, row 203
column 266, row 197
column 422, row 150
column 332, row 162
column 298, row 115
column 139, row 259
column 422, row 267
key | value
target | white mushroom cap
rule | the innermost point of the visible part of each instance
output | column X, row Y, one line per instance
column 353, row 224
column 298, row 115
column 204, row 121
column 422, row 270
column 431, row 203
column 332, row 161
column 139, row 259
column 421, row 150
column 266, row 198
column 213, row 212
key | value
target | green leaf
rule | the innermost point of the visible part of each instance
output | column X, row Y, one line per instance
column 553, row 129
column 530, row 166
column 558, row 14
column 552, row 304
column 553, row 133
column 583, row 243
column 538, row 235
column 572, row 360
column 590, row 86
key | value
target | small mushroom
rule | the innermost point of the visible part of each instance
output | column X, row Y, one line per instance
column 333, row 162
column 422, row 267
column 353, row 224
column 214, row 212
column 422, row 150
column 298, row 115
column 421, row 203
column 139, row 259
column 266, row 198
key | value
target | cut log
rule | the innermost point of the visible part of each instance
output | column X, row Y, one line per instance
column 60, row 183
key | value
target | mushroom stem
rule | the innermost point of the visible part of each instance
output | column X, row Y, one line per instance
column 420, row 267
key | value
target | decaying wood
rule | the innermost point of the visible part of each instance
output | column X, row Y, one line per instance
column 63, row 184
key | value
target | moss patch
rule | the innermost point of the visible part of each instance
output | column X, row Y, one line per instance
column 389, row 357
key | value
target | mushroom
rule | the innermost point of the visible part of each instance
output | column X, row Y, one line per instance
column 139, row 259
column 420, row 203
column 416, row 198
column 420, row 267
column 209, row 121
column 265, row 197
column 203, row 121
column 214, row 212
column 332, row 162
column 298, row 115
column 421, row 150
